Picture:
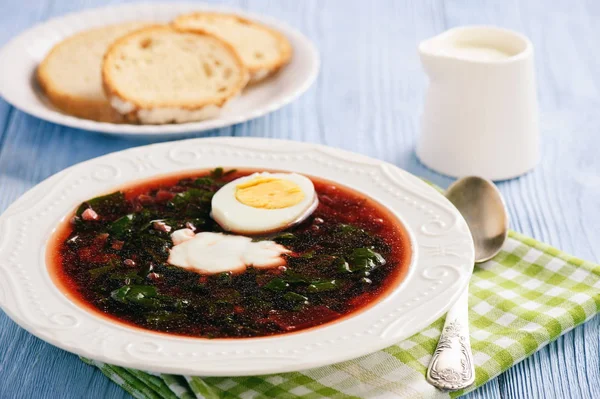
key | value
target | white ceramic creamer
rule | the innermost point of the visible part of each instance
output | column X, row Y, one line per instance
column 480, row 115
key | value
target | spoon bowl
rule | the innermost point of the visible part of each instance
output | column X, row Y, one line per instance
column 483, row 208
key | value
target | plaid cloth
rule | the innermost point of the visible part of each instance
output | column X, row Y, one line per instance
column 527, row 296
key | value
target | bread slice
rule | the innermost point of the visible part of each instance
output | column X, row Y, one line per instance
column 70, row 74
column 263, row 50
column 162, row 75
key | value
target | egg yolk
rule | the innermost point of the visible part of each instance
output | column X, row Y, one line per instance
column 269, row 193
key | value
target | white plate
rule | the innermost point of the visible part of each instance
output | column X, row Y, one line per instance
column 21, row 56
column 440, row 268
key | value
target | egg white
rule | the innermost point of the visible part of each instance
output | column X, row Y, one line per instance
column 237, row 217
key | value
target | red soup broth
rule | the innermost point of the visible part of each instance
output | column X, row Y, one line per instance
column 327, row 276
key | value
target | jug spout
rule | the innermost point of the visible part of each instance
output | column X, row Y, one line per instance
column 431, row 54
column 471, row 45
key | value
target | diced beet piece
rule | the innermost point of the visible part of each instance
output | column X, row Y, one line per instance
column 153, row 276
column 89, row 214
column 237, row 309
column 161, row 226
column 86, row 254
column 178, row 189
column 308, row 317
column 100, row 239
column 164, row 196
column 146, row 199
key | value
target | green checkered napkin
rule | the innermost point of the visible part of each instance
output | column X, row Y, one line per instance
column 525, row 297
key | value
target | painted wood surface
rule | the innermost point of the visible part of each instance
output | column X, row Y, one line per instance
column 367, row 99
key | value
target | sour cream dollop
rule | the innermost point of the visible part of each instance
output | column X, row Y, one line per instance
column 211, row 253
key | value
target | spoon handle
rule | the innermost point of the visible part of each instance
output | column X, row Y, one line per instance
column 451, row 367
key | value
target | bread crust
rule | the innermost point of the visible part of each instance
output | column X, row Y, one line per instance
column 134, row 110
column 259, row 72
column 78, row 106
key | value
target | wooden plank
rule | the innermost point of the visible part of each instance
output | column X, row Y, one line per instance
column 14, row 18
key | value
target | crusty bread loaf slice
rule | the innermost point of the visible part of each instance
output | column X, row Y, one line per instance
column 263, row 50
column 70, row 74
column 163, row 75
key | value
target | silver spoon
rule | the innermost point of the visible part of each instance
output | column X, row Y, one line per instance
column 481, row 204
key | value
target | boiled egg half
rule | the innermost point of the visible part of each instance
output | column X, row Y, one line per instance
column 264, row 202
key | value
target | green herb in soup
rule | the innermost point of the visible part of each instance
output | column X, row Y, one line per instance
column 115, row 255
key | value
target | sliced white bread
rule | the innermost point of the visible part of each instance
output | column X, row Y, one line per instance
column 162, row 75
column 70, row 74
column 263, row 50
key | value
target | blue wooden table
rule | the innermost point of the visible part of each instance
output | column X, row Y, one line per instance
column 367, row 99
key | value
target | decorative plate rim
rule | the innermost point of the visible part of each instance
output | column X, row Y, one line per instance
column 440, row 269
column 21, row 44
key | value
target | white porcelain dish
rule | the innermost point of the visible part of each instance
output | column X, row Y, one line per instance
column 21, row 56
column 440, row 268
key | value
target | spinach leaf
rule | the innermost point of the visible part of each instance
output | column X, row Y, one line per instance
column 189, row 196
column 110, row 203
column 194, row 202
column 204, row 181
column 143, row 295
column 349, row 229
column 365, row 259
column 351, row 236
column 100, row 271
column 288, row 279
column 137, row 292
column 341, row 265
column 216, row 173
column 224, row 278
column 178, row 304
column 322, row 286
column 283, row 237
column 296, row 300
column 276, row 284
column 120, row 295
column 292, row 277
column 122, row 226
